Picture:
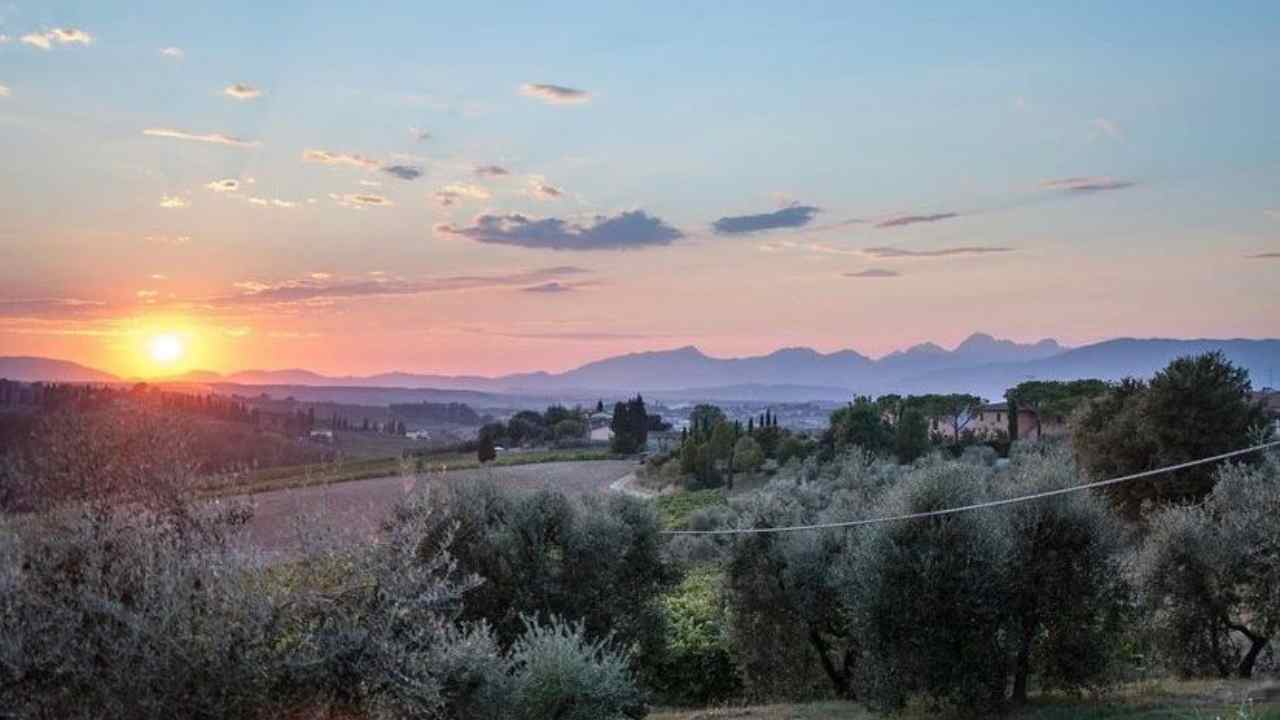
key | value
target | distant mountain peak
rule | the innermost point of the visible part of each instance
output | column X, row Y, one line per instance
column 925, row 348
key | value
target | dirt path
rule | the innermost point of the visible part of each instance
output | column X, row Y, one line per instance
column 353, row 510
column 627, row 485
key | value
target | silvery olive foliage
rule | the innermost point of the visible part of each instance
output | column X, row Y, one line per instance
column 1210, row 573
column 926, row 598
column 964, row 609
column 144, row 602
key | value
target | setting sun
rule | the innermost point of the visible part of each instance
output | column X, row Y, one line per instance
column 165, row 349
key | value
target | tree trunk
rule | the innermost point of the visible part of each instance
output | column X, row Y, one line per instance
column 839, row 676
column 1022, row 670
column 1257, row 644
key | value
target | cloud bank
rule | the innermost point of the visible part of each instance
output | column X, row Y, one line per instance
column 627, row 230
column 789, row 217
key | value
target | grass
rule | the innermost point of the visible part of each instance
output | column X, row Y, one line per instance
column 1158, row 700
column 676, row 508
column 295, row 476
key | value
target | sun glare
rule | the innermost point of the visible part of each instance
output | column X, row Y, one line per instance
column 165, row 349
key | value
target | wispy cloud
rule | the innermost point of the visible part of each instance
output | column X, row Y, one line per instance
column 360, row 200
column 404, row 172
column 272, row 202
column 540, row 189
column 627, row 230
column 241, row 91
column 57, row 36
column 214, row 138
column 173, row 240
column 43, row 306
column 893, row 252
column 419, row 134
column 873, row 273
column 556, row 287
column 228, row 185
column 326, row 157
column 175, row 53
column 555, row 94
column 328, row 287
column 452, row 193
column 491, row 171
column 574, row 335
column 174, row 202
column 792, row 216
column 1266, row 256
column 5, row 91
column 902, row 220
column 1087, row 184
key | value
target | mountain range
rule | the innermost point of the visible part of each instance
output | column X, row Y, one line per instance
column 982, row 364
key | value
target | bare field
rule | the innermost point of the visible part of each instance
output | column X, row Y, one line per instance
column 352, row 510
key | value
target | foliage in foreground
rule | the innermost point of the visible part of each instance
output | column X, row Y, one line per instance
column 1211, row 573
column 153, row 608
column 595, row 560
column 964, row 609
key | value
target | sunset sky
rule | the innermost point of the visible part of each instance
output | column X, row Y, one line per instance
column 487, row 188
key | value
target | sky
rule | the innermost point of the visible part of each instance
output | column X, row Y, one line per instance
column 487, row 188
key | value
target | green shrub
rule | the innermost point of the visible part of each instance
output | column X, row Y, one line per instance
column 697, row 668
column 677, row 508
column 559, row 673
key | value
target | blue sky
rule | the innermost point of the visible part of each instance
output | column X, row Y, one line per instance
column 1118, row 160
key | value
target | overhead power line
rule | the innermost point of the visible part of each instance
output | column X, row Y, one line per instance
column 981, row 505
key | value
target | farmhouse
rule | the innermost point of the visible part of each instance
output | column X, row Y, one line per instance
column 993, row 419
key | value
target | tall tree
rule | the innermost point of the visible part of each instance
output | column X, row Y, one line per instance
column 1198, row 406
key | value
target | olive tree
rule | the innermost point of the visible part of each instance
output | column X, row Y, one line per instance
column 926, row 598
column 1211, row 575
column 594, row 560
column 787, row 604
column 1068, row 598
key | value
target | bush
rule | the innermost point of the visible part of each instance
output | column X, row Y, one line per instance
column 559, row 673
column 698, row 666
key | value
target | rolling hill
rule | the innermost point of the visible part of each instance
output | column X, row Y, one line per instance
column 982, row 364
